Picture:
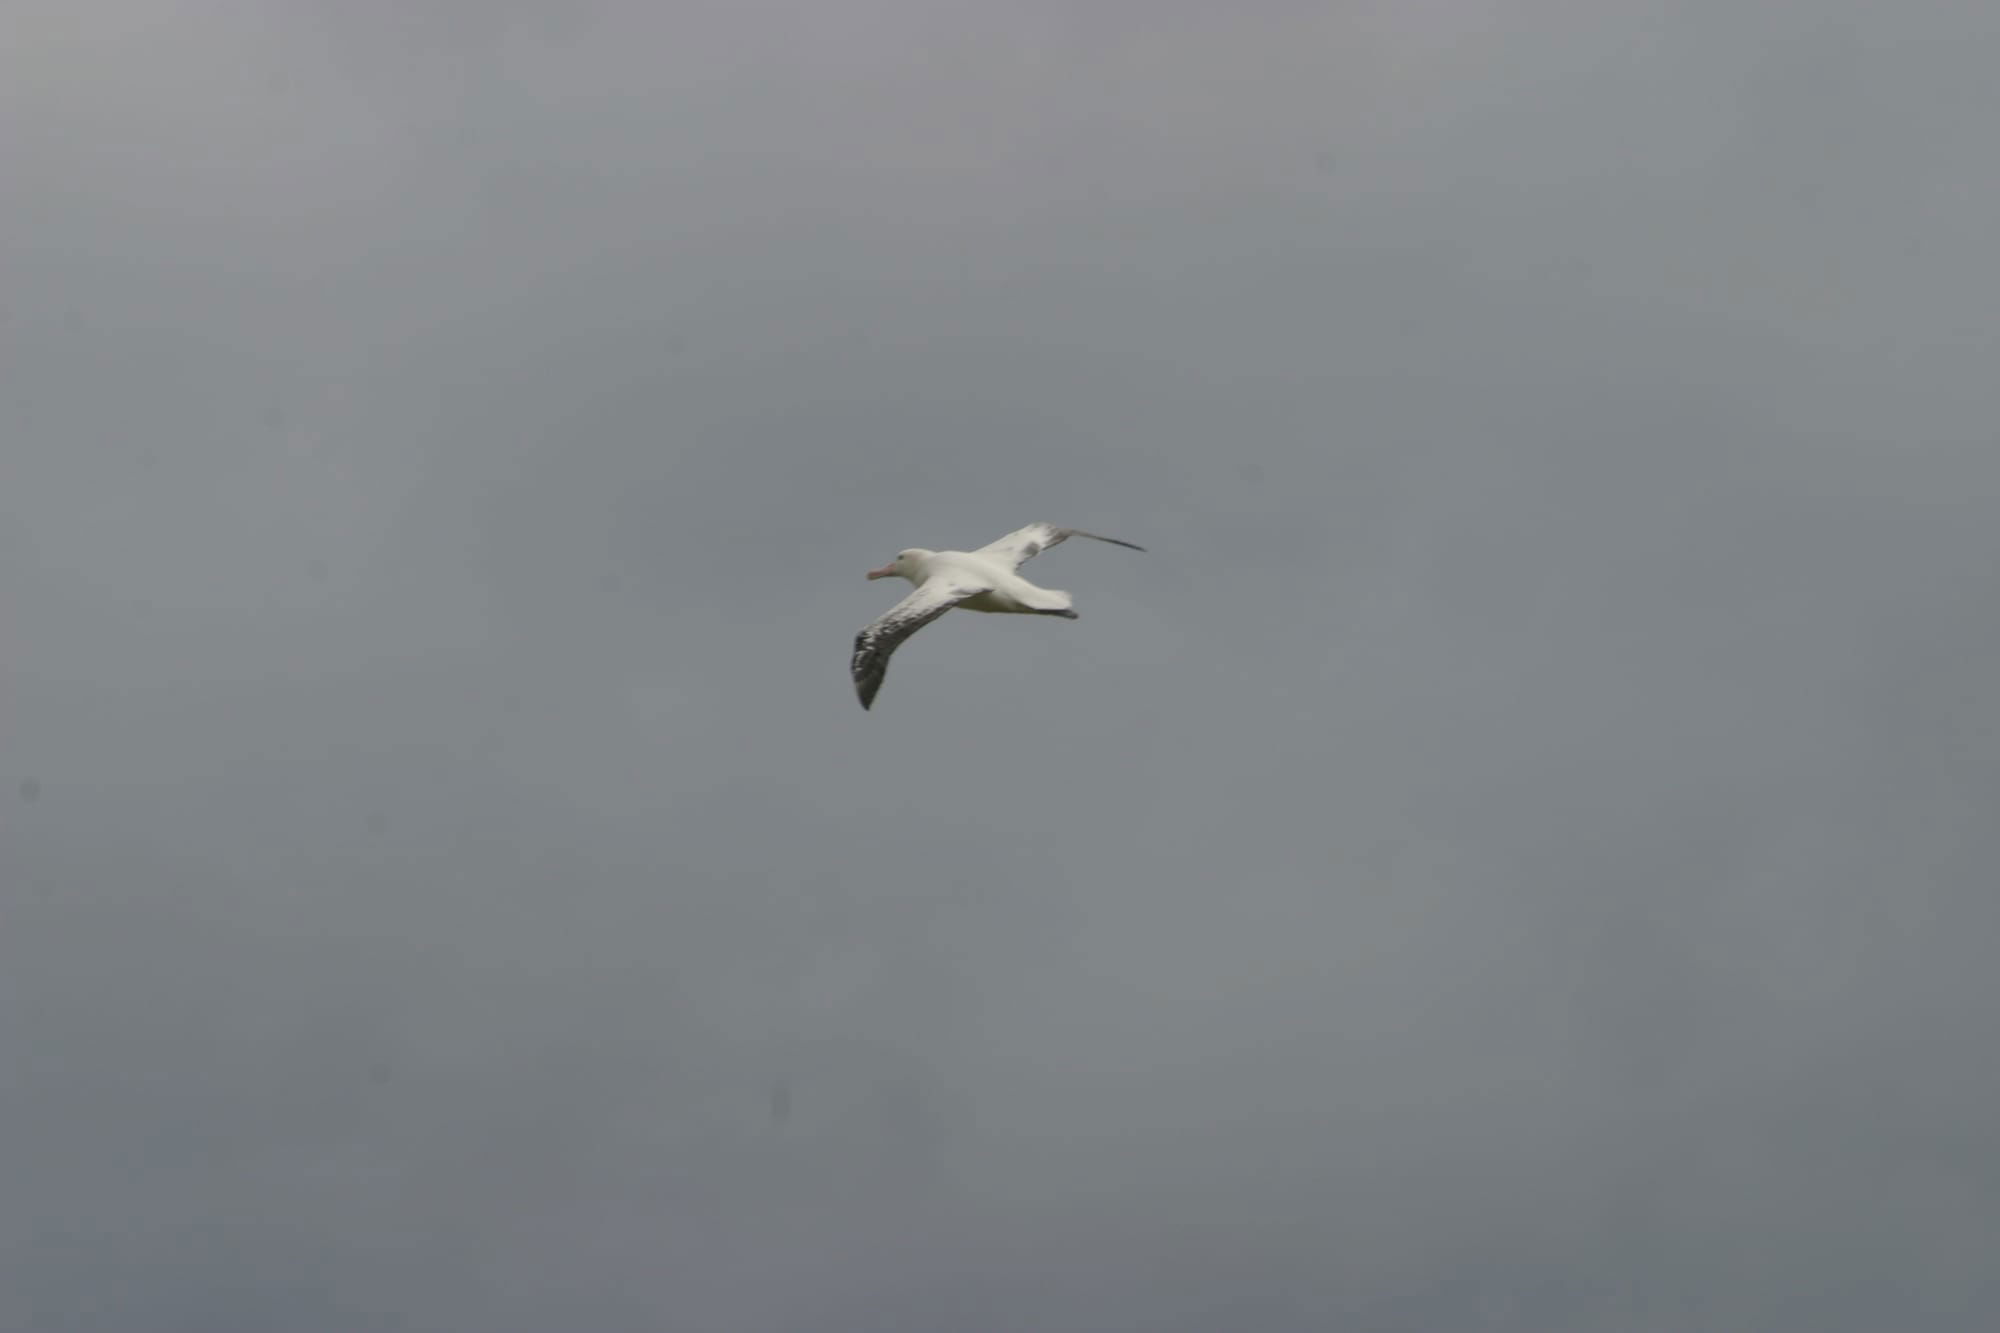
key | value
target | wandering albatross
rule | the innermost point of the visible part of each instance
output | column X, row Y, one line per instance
column 981, row 580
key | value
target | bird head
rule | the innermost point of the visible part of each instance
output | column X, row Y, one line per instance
column 907, row 565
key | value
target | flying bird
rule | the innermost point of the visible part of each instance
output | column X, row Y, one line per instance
column 981, row 580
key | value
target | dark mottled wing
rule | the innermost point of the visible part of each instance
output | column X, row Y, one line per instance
column 1017, row 548
column 873, row 645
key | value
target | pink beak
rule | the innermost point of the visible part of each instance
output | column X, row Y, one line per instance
column 887, row 571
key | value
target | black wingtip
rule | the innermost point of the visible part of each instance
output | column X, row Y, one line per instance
column 1130, row 546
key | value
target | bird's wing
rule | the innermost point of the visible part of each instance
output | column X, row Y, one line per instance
column 1017, row 548
column 874, row 644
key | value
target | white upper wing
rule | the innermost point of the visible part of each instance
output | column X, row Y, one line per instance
column 1017, row 548
column 874, row 644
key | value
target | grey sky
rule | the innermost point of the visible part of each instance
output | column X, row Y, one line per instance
column 1515, row 854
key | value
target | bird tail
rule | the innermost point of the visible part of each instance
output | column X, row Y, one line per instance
column 1060, row 604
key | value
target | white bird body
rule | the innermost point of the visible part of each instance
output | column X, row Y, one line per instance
column 1007, row 593
column 981, row 580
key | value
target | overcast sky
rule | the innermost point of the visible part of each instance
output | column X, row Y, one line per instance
column 1517, row 853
